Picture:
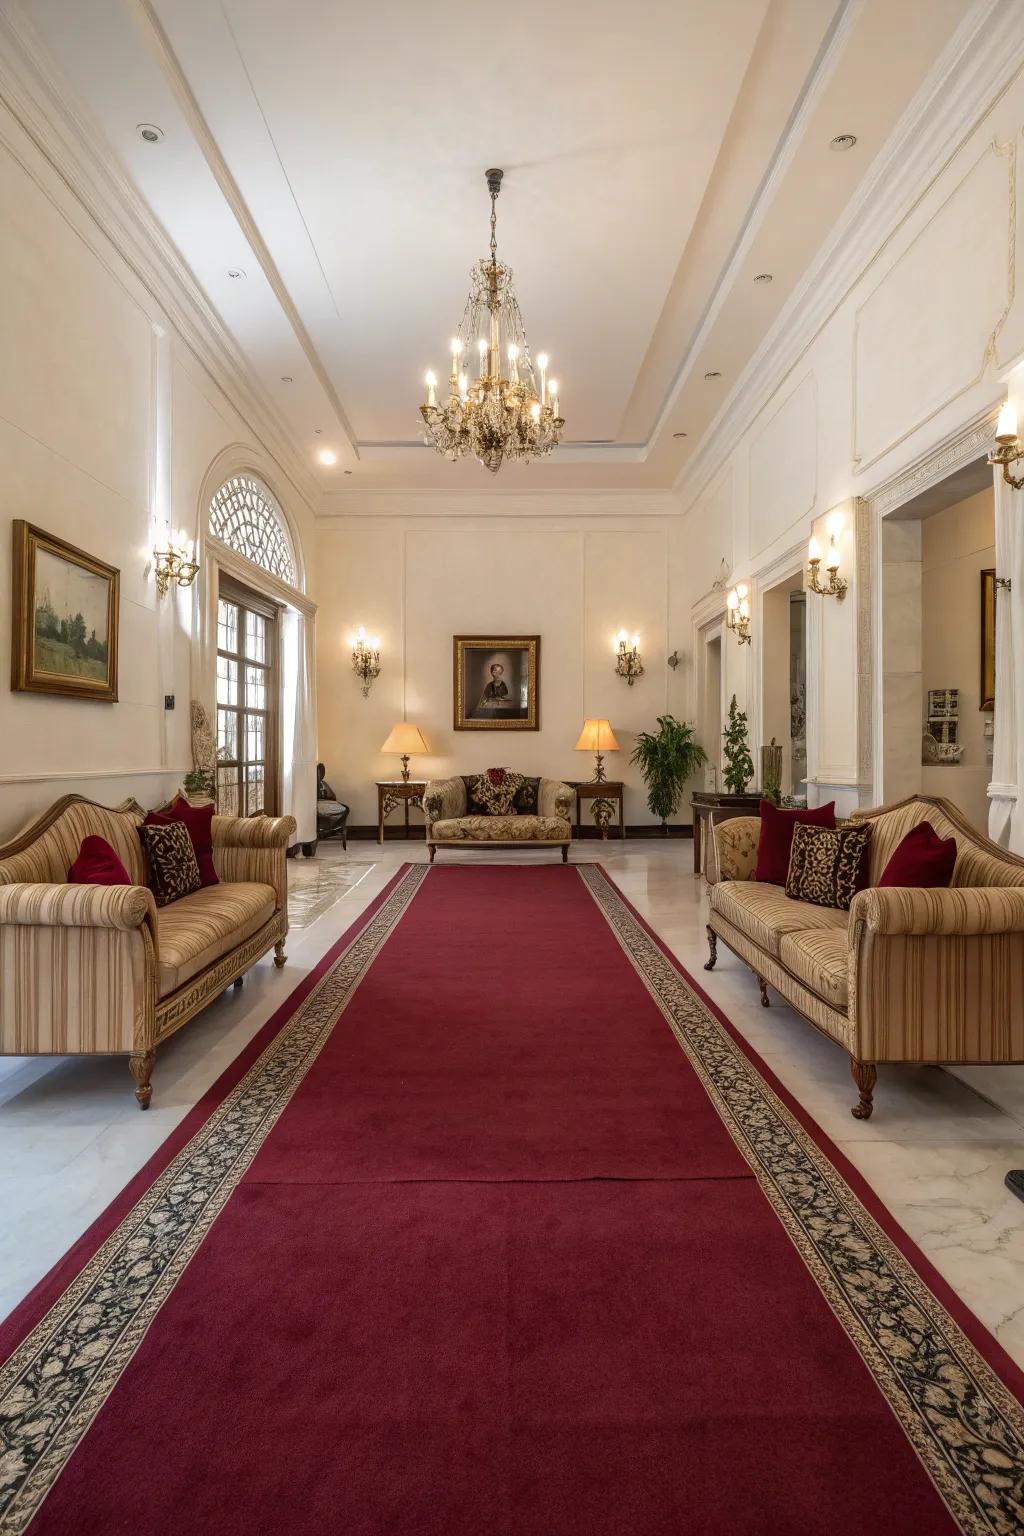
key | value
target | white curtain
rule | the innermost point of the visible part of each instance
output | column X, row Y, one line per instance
column 298, row 704
column 1006, row 791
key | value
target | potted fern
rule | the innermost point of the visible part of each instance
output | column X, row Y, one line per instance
column 738, row 763
column 666, row 758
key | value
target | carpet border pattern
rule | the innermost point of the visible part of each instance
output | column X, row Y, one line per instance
column 965, row 1425
column 55, row 1383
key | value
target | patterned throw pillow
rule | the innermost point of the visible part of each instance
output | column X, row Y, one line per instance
column 828, row 866
column 525, row 802
column 171, row 861
column 495, row 791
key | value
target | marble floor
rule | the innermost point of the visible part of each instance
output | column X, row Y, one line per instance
column 936, row 1150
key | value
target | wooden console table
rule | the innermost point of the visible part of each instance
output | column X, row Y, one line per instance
column 708, row 807
column 606, row 789
column 393, row 792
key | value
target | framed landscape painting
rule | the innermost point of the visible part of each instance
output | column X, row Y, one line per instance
column 497, row 682
column 65, row 618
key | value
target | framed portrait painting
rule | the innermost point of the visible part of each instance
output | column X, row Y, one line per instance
column 988, row 640
column 65, row 618
column 497, row 682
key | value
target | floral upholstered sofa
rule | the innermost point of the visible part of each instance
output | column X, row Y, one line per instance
column 498, row 809
column 909, row 974
column 101, row 969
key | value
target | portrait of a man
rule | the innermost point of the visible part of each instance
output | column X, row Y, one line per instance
column 496, row 683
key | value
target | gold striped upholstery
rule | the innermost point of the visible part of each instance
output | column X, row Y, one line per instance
column 978, row 861
column 51, row 855
column 764, row 912
column 820, row 958
column 194, row 932
column 813, row 1007
column 70, row 991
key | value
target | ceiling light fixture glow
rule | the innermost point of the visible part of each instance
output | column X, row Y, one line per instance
column 327, row 456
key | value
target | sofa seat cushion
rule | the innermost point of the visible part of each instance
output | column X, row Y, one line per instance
column 197, row 930
column 501, row 829
column 764, row 912
column 819, row 958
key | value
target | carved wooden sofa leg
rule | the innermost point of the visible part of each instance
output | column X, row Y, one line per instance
column 865, row 1074
column 239, row 980
column 766, row 1001
column 709, row 963
column 279, row 954
column 433, row 850
column 565, row 853
column 141, row 1067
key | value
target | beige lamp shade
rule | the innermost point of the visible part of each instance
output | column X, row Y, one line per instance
column 405, row 738
column 597, row 736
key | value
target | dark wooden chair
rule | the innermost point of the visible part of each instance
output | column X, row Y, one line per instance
column 331, row 814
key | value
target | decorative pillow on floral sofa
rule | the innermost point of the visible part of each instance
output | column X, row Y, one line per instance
column 493, row 793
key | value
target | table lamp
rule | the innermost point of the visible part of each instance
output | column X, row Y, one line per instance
column 597, row 736
column 406, row 740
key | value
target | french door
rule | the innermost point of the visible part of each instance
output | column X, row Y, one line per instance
column 247, row 702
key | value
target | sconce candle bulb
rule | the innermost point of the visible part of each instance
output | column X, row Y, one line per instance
column 1010, row 449
column 365, row 658
column 628, row 661
column 836, row 585
column 737, row 612
column 176, row 563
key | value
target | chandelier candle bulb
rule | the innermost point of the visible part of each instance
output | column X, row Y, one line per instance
column 813, row 551
column 1006, row 427
column 431, row 387
column 832, row 563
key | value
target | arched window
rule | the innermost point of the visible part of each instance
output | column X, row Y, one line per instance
column 246, row 517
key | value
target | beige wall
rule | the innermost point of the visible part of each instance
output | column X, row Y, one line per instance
column 108, row 424
column 419, row 580
column 956, row 545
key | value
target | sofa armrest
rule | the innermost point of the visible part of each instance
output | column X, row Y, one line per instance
column 731, row 852
column 76, row 906
column 254, row 848
column 963, row 910
column 935, row 975
column 443, row 800
column 554, row 799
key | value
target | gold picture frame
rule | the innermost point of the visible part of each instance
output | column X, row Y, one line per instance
column 65, row 607
column 496, row 682
column 988, row 640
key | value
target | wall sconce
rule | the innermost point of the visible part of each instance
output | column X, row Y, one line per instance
column 365, row 658
column 836, row 585
column 737, row 612
column 175, row 563
column 1010, row 449
column 628, row 662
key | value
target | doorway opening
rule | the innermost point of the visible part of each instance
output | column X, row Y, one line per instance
column 709, row 714
column 248, row 693
column 784, row 674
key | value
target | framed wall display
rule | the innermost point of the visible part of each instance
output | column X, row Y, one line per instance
column 988, row 640
column 496, row 684
column 65, row 605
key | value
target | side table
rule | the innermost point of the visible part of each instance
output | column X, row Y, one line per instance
column 392, row 792
column 709, row 807
column 605, row 793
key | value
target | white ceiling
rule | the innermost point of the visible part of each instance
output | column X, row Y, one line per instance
column 657, row 156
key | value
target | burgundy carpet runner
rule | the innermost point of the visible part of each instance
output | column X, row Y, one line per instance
column 498, row 1229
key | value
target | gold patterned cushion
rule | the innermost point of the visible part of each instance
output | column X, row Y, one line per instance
column 494, row 791
column 828, row 865
column 501, row 829
column 171, row 860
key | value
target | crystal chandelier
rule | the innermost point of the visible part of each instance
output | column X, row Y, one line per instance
column 494, row 416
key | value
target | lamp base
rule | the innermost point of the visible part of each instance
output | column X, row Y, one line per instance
column 599, row 774
column 405, row 767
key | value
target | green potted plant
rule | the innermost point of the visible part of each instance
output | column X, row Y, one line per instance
column 738, row 763
column 198, row 784
column 666, row 758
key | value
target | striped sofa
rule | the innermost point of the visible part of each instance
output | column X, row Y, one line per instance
column 906, row 975
column 101, row 970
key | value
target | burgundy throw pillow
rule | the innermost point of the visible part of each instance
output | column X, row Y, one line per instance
column 776, row 839
column 923, row 858
column 98, row 864
column 198, row 819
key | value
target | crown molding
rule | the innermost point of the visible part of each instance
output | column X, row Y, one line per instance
column 406, row 503
column 972, row 73
column 967, row 442
column 71, row 145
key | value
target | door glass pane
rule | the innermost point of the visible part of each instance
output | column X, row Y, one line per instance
column 227, row 792
column 255, row 795
column 255, row 636
column 227, row 734
column 227, row 680
column 255, row 688
column 254, row 739
column 227, row 626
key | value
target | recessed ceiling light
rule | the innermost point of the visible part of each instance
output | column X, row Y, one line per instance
column 843, row 141
column 678, row 434
column 327, row 456
column 286, row 378
column 763, row 277
column 714, row 374
column 150, row 132
column 236, row 272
